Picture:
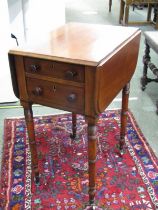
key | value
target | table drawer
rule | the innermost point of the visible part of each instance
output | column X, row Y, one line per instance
column 66, row 71
column 40, row 91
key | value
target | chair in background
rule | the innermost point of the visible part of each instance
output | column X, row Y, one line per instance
column 110, row 4
column 151, row 42
column 124, row 12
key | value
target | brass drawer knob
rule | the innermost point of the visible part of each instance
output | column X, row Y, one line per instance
column 70, row 75
column 54, row 88
column 72, row 97
column 37, row 91
column 34, row 68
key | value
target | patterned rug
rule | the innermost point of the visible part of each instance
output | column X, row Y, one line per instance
column 127, row 182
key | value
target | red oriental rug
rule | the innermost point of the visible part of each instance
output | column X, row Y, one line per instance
column 128, row 182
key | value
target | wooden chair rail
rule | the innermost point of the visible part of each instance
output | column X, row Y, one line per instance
column 151, row 43
column 124, row 12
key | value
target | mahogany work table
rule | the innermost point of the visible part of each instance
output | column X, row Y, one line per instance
column 78, row 68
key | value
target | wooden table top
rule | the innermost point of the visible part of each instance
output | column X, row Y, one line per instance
column 78, row 43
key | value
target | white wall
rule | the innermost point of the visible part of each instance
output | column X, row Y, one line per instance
column 6, row 92
column 41, row 16
column 30, row 19
column 27, row 20
column 15, row 9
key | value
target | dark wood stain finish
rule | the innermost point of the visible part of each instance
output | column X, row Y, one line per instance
column 80, row 68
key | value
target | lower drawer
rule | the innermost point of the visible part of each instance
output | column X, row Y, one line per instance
column 56, row 95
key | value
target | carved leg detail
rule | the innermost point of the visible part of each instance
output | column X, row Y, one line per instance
column 144, row 80
column 92, row 159
column 74, row 119
column 125, row 96
column 31, row 134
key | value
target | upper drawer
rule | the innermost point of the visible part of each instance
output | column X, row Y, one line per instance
column 55, row 69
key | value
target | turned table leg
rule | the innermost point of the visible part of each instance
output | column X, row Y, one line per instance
column 125, row 96
column 31, row 135
column 74, row 119
column 146, row 58
column 92, row 159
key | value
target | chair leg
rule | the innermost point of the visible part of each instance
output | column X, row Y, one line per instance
column 126, row 14
column 144, row 79
column 110, row 4
column 149, row 12
column 122, row 5
column 157, row 107
column 155, row 19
